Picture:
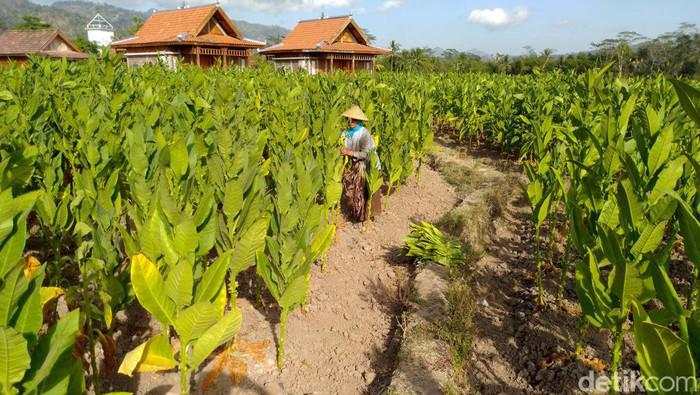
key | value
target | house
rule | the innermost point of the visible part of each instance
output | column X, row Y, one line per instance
column 325, row 44
column 202, row 35
column 99, row 31
column 17, row 45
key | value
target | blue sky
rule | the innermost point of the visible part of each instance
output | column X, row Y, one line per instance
column 504, row 26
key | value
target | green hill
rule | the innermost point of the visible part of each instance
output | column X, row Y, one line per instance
column 72, row 16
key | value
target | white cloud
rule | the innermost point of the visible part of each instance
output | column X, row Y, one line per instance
column 498, row 17
column 389, row 4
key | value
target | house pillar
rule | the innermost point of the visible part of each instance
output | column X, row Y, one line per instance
column 225, row 58
column 353, row 62
column 331, row 62
column 196, row 51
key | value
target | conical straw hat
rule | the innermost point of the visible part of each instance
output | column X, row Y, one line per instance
column 355, row 112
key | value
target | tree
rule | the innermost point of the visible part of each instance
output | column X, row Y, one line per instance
column 136, row 23
column 370, row 37
column 86, row 45
column 31, row 22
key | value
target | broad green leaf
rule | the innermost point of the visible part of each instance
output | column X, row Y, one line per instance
column 252, row 241
column 660, row 352
column 213, row 279
column 689, row 98
column 154, row 355
column 194, row 320
column 668, row 178
column 650, row 239
column 660, row 151
column 295, row 293
column 185, row 238
column 179, row 283
column 150, row 289
column 179, row 157
column 52, row 346
column 233, row 198
column 690, row 230
column 14, row 357
column 218, row 334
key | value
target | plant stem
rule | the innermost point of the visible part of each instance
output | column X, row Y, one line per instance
column 617, row 358
column 280, row 341
column 184, row 372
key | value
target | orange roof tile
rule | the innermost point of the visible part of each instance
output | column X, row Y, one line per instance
column 321, row 35
column 183, row 26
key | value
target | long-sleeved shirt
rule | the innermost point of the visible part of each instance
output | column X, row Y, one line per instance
column 361, row 143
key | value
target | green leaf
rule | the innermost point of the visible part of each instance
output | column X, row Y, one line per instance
column 252, row 241
column 668, row 178
column 52, row 346
column 233, row 198
column 660, row 151
column 179, row 283
column 212, row 279
column 11, row 251
column 216, row 335
column 153, row 355
column 690, row 230
column 295, row 293
column 185, row 239
column 179, row 157
column 14, row 358
column 194, row 320
column 660, row 352
column 688, row 97
column 150, row 289
column 650, row 239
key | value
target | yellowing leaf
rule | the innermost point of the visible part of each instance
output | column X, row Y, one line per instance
column 31, row 266
column 149, row 288
column 154, row 355
column 49, row 293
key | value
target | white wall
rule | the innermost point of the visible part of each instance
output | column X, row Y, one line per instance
column 100, row 37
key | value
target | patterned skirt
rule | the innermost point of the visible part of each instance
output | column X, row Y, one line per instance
column 354, row 202
column 355, row 194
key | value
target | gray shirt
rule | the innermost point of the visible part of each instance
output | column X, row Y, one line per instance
column 361, row 143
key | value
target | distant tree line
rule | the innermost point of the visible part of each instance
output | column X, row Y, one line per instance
column 674, row 54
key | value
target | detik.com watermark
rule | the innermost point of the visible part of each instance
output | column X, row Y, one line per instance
column 632, row 381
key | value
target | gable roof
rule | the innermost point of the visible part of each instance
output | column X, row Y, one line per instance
column 24, row 42
column 322, row 35
column 184, row 26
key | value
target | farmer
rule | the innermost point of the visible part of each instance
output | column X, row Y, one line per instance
column 358, row 146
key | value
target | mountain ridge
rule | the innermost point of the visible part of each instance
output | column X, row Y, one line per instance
column 71, row 16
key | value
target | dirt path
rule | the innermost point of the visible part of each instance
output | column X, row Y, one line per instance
column 341, row 343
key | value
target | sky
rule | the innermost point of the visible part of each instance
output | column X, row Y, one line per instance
column 505, row 26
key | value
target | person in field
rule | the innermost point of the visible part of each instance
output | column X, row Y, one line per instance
column 358, row 147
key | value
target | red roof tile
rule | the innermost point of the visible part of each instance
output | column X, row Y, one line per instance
column 24, row 42
column 183, row 26
column 321, row 35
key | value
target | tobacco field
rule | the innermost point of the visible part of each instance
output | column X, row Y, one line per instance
column 146, row 186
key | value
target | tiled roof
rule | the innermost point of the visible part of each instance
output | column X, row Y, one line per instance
column 354, row 48
column 23, row 42
column 320, row 35
column 183, row 26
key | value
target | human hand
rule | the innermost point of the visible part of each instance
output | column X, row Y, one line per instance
column 346, row 152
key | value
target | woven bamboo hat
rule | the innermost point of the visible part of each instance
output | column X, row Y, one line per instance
column 355, row 112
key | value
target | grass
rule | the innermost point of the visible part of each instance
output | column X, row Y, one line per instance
column 457, row 329
column 463, row 178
